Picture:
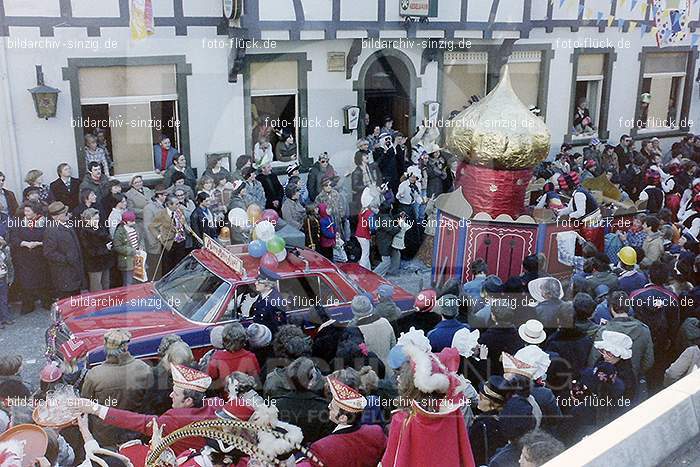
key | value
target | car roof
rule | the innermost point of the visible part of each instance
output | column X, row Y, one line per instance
column 291, row 266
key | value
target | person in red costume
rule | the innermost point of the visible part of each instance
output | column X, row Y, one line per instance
column 351, row 444
column 431, row 395
column 189, row 405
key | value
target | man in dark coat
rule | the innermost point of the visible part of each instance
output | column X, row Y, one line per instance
column 572, row 346
column 8, row 201
column 301, row 406
column 26, row 237
column 62, row 250
column 268, row 308
column 66, row 188
column 385, row 156
column 387, row 228
column 658, row 308
column 274, row 191
column 441, row 336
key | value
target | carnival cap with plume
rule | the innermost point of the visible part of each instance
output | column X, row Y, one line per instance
column 535, row 357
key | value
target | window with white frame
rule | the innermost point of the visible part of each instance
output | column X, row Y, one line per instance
column 524, row 67
column 588, row 93
column 134, row 105
column 662, row 96
column 274, row 97
column 464, row 76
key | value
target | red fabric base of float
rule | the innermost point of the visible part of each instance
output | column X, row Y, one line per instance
column 494, row 191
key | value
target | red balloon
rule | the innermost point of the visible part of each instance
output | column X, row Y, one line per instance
column 270, row 215
column 269, row 261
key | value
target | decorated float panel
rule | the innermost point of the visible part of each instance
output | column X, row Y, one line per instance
column 498, row 141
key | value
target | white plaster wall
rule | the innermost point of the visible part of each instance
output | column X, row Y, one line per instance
column 358, row 10
column 215, row 105
column 32, row 8
column 88, row 8
column 202, row 8
column 276, row 10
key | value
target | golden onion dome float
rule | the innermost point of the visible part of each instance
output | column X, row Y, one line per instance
column 499, row 131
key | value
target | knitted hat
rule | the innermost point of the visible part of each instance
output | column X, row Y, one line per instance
column 216, row 336
column 448, row 306
column 385, row 291
column 361, row 306
column 569, row 181
column 492, row 284
column 128, row 216
column 259, row 335
column 652, row 177
column 291, row 168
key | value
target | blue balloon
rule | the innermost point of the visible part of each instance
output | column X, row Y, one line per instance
column 257, row 249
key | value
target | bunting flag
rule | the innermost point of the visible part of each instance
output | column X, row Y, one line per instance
column 611, row 18
column 633, row 4
column 633, row 24
column 642, row 30
column 599, row 17
column 621, row 23
column 671, row 24
column 644, row 8
column 141, row 19
column 561, row 3
column 581, row 7
column 622, row 3
column 694, row 39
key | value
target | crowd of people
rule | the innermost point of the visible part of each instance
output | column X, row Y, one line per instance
column 499, row 373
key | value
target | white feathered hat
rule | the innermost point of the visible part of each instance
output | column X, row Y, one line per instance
column 618, row 344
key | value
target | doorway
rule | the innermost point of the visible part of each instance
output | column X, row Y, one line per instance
column 387, row 84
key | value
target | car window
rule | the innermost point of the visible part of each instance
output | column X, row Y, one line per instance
column 300, row 293
column 192, row 289
column 241, row 305
column 327, row 294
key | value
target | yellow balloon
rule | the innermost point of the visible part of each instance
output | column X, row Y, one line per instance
column 254, row 213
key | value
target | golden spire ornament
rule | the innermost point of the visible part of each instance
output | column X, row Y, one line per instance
column 499, row 131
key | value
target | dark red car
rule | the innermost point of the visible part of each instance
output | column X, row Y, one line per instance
column 203, row 291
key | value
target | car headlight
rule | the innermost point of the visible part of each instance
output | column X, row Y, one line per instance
column 55, row 315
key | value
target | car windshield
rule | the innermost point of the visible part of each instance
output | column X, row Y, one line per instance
column 192, row 289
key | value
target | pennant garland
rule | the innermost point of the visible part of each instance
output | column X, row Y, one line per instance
column 611, row 18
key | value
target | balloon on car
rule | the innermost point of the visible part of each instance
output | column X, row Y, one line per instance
column 276, row 244
column 281, row 256
column 269, row 261
column 257, row 249
column 254, row 213
column 264, row 231
column 270, row 215
column 237, row 217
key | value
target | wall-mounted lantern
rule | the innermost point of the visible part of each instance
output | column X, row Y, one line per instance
column 45, row 97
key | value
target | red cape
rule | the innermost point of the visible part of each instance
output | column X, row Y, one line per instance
column 420, row 438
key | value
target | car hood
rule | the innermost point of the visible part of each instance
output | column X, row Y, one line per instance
column 137, row 309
